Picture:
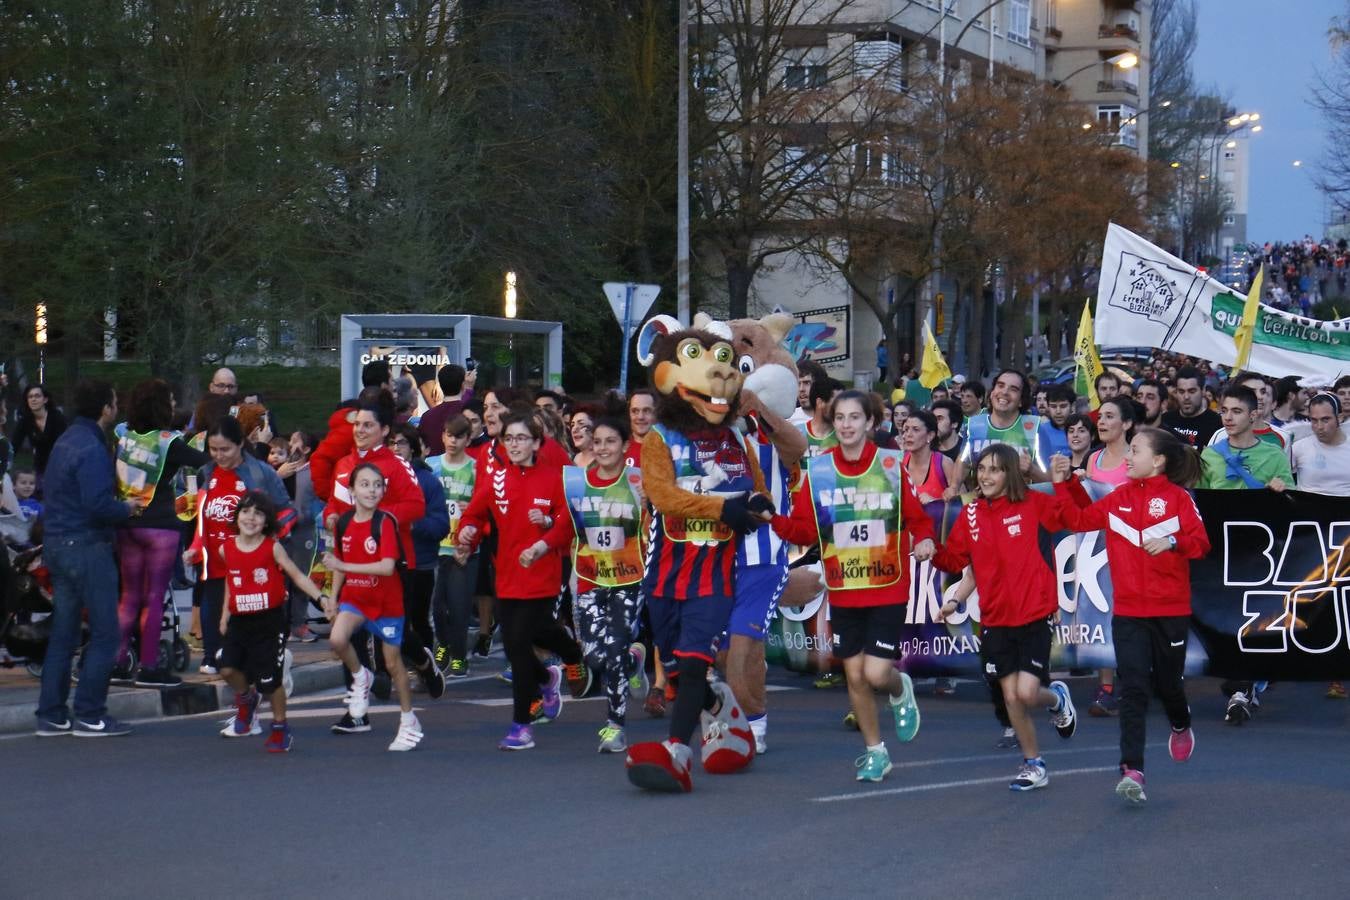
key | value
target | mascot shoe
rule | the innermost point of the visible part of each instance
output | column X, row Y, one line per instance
column 660, row 766
column 728, row 743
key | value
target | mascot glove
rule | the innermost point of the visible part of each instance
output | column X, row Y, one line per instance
column 737, row 516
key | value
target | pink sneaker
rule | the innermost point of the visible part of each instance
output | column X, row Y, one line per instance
column 1181, row 744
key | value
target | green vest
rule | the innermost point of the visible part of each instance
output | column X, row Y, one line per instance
column 608, row 521
column 858, row 520
column 141, row 457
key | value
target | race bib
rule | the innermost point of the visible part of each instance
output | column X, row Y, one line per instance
column 860, row 533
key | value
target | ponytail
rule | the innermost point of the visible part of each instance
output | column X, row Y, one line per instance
column 1183, row 461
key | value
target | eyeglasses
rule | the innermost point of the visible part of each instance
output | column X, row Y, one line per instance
column 517, row 438
column 400, row 442
column 224, row 386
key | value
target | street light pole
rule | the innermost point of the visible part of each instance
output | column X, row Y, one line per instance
column 682, row 175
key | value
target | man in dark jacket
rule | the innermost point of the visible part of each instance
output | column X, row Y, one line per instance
column 81, row 510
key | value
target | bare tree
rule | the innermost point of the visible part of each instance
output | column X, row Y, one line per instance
column 1331, row 97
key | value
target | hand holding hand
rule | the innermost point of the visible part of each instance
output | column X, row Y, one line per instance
column 924, row 550
column 1060, row 469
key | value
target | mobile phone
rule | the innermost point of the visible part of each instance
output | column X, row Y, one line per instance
column 470, row 364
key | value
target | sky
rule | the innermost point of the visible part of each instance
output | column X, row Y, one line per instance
column 1264, row 55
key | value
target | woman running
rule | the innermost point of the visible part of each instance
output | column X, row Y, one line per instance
column 856, row 502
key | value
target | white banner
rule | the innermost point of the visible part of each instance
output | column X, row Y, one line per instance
column 1149, row 298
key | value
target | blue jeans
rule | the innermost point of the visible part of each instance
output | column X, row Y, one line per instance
column 84, row 577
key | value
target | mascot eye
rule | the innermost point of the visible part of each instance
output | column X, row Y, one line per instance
column 746, row 365
column 691, row 349
column 722, row 353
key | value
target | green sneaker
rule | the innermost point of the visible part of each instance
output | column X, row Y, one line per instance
column 442, row 657
column 637, row 682
column 459, row 668
column 874, row 765
column 851, row 720
column 612, row 739
column 906, row 710
column 830, row 680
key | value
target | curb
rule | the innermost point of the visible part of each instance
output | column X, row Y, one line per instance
column 187, row 699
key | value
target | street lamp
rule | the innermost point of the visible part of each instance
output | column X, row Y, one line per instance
column 1124, row 60
column 509, row 295
column 40, row 338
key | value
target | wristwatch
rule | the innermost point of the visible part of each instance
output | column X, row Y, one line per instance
column 1171, row 539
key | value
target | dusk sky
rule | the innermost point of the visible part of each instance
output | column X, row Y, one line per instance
column 1264, row 56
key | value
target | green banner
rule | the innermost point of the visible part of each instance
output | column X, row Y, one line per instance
column 1281, row 331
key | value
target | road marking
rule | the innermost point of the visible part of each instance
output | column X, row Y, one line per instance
column 947, row 785
column 507, row 701
column 1048, row 754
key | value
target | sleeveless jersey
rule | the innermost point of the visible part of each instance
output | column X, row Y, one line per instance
column 691, row 558
column 815, row 446
column 858, row 519
column 140, row 462
column 1023, row 434
column 255, row 581
column 458, row 484
column 607, row 550
column 935, row 481
column 1117, row 475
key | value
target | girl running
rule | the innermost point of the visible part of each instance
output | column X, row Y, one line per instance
column 605, row 503
column 856, row 502
column 370, row 596
column 255, row 622
column 1153, row 530
column 1003, row 537
column 524, row 502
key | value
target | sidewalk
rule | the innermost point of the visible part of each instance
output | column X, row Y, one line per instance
column 313, row 670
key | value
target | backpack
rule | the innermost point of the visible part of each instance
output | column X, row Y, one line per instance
column 376, row 529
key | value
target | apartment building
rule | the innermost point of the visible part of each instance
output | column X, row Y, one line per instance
column 1081, row 38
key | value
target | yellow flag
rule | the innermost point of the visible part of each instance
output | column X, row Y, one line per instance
column 1242, row 336
column 934, row 369
column 1089, row 364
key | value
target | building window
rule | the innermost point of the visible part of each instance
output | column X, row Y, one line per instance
column 1120, row 121
column 1230, row 154
column 880, row 56
column 1019, row 22
column 797, row 77
column 803, row 165
column 1051, row 13
column 1230, row 219
column 888, row 162
column 1226, row 176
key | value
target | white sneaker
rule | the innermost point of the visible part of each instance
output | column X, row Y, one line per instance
column 409, row 735
column 205, row 669
column 358, row 698
column 287, row 680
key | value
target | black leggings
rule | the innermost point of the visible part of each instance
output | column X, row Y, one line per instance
column 527, row 624
column 418, row 639
column 452, row 603
column 1150, row 658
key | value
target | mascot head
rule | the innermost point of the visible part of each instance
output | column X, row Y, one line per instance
column 769, row 370
column 693, row 369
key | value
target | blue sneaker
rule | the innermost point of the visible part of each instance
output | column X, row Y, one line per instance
column 1064, row 717
column 549, row 693
column 874, row 765
column 505, row 674
column 520, row 737
column 106, row 726
column 53, row 729
column 1031, row 776
column 279, row 738
column 245, row 721
column 905, row 710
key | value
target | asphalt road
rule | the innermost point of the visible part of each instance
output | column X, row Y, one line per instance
column 176, row 811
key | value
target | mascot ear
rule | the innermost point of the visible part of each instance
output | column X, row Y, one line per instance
column 653, row 328
column 705, row 322
column 778, row 325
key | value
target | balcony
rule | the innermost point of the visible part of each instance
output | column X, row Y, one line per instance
column 1053, row 34
column 1116, row 86
column 1123, row 4
column 1112, row 32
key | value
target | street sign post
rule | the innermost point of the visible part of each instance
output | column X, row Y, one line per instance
column 630, row 303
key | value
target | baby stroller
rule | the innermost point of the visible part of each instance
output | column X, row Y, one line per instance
column 174, row 653
column 25, row 624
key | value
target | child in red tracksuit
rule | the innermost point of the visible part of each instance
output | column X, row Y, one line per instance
column 1005, row 538
column 1153, row 530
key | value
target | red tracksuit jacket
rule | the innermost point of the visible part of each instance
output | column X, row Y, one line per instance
column 504, row 496
column 1011, row 548
column 1130, row 515
column 403, row 497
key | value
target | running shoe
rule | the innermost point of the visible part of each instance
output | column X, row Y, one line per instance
column 358, row 698
column 612, row 739
column 578, row 677
column 1131, row 786
column 207, row 669
column 1030, row 776
column 1336, row 691
column 851, row 720
column 106, row 726
column 520, row 737
column 728, row 742
column 245, row 721
column 874, row 765
column 537, row 716
column 1239, row 709
column 905, row 710
column 944, row 687
column 1181, row 744
column 655, row 704
column 123, row 676
column 431, row 676
column 662, row 766
column 279, row 739
column 549, row 693
column 830, row 680
column 350, row 724
column 157, row 678
column 442, row 657
column 1065, row 717
column 409, row 734
column 304, row 634
column 637, row 682
column 1008, row 741
column 1104, row 704
column 287, row 679
column 459, row 668
column 505, row 674
column 482, row 648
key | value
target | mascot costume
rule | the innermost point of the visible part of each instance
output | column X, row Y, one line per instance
column 707, row 493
